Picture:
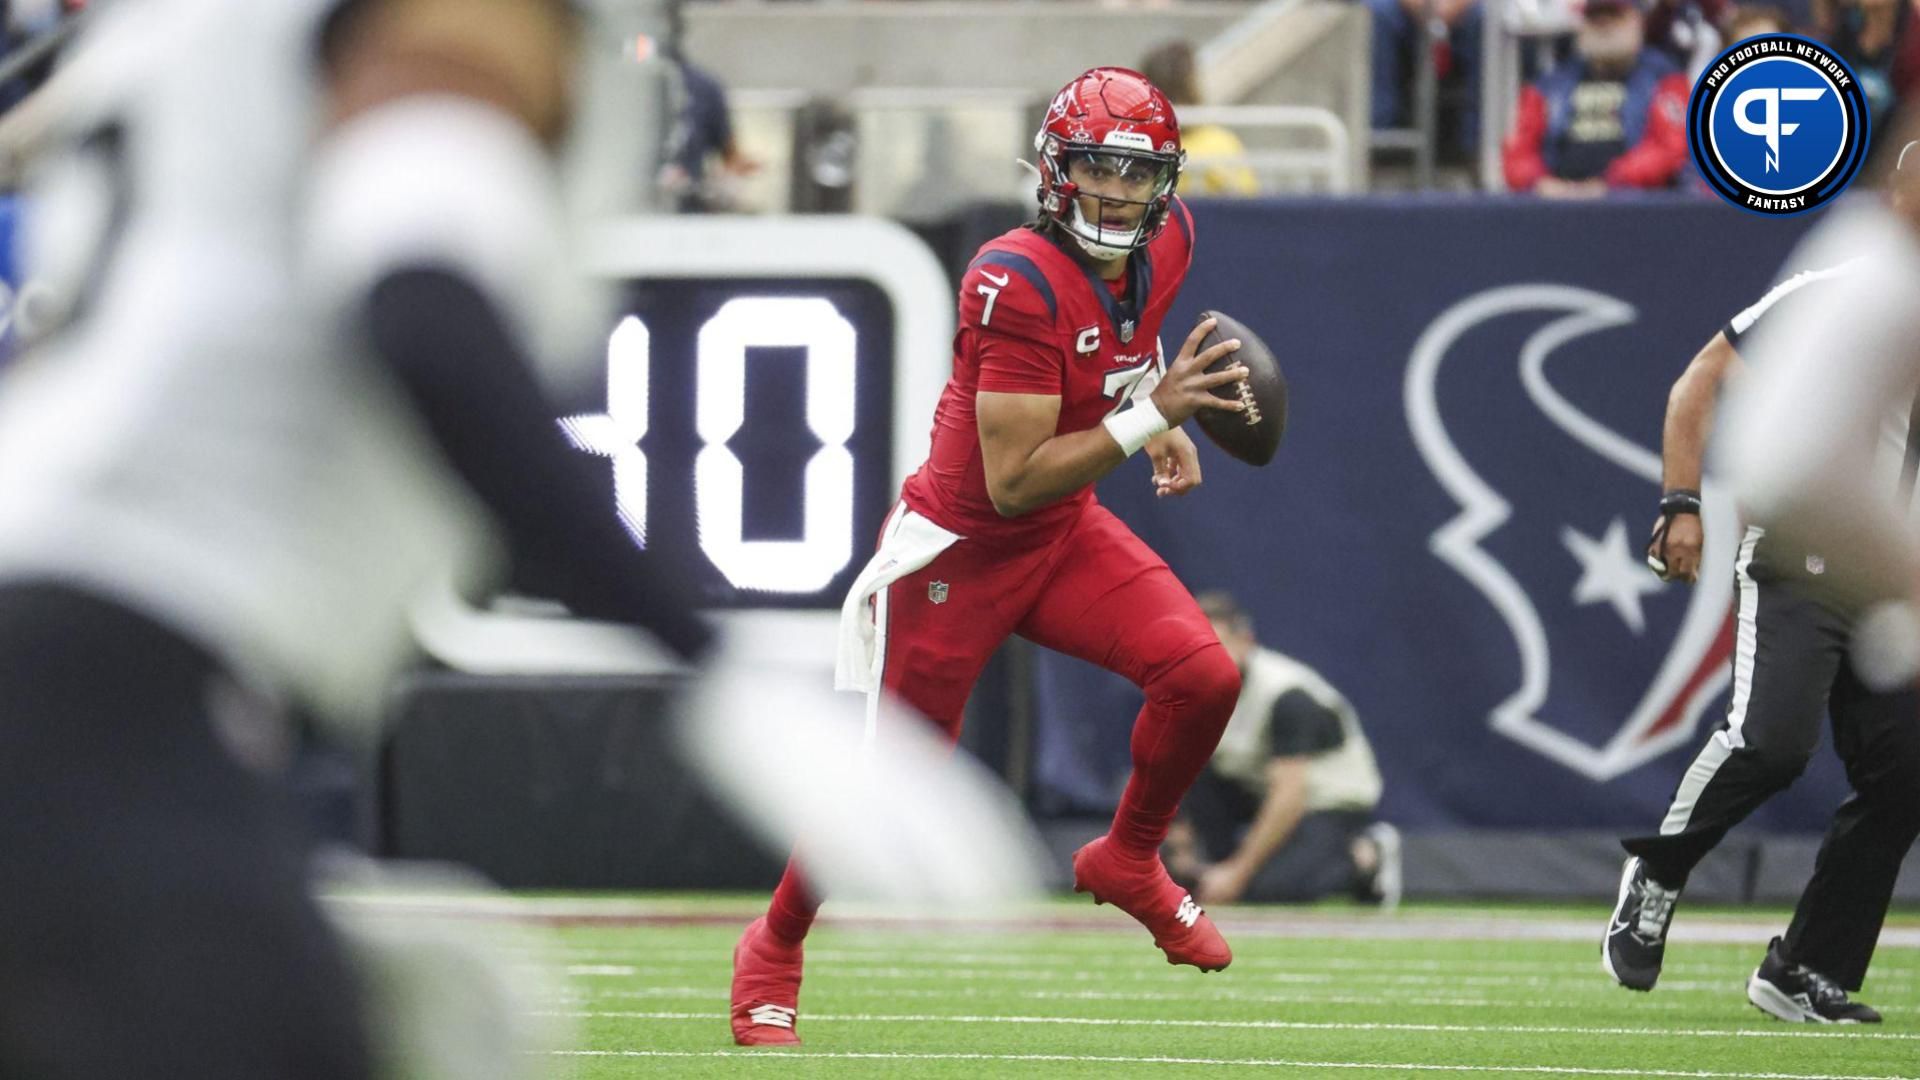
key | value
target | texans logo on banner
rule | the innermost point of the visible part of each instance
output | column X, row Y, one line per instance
column 1545, row 538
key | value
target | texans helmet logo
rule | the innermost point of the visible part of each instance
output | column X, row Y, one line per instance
column 1562, row 532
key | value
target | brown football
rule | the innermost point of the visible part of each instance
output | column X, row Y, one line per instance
column 1253, row 435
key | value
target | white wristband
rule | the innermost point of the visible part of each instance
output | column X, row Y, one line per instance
column 1132, row 428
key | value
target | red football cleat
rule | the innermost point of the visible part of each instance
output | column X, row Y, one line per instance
column 766, row 989
column 1142, row 889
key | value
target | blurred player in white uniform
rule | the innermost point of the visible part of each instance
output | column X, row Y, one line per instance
column 1841, row 364
column 1835, row 367
column 1802, row 446
column 298, row 249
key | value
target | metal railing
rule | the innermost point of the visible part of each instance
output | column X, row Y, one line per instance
column 924, row 152
column 1279, row 169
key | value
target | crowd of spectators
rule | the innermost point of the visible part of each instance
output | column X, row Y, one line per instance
column 1608, row 115
column 1611, row 116
column 1605, row 115
column 1454, row 26
column 1878, row 39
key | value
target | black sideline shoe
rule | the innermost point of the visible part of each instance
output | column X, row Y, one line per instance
column 1801, row 995
column 1637, row 933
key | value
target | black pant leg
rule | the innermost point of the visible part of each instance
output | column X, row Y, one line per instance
column 1837, row 922
column 1787, row 653
column 157, row 920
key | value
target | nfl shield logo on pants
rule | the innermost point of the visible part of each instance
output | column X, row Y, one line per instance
column 937, row 592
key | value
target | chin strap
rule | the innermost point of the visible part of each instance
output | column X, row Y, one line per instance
column 1672, row 505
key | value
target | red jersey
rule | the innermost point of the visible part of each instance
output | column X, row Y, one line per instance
column 1036, row 320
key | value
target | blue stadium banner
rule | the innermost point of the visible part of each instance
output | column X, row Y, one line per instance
column 1452, row 531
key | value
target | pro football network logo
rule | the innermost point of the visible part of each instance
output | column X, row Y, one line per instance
column 1778, row 124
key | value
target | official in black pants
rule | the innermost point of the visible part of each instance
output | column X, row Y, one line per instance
column 1792, row 665
column 1797, row 671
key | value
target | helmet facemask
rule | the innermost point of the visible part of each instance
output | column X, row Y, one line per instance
column 1116, row 180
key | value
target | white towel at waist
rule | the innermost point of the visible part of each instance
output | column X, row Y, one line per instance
column 908, row 543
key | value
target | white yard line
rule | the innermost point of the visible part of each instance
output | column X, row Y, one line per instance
column 1463, row 924
column 1256, row 1063
column 1126, row 957
column 1575, row 977
column 1851, row 1032
column 1385, row 999
column 1305, row 970
column 935, row 955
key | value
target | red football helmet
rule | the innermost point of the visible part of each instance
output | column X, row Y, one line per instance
column 1120, row 131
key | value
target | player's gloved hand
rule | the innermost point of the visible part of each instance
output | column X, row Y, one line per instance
column 1187, row 387
column 1673, row 548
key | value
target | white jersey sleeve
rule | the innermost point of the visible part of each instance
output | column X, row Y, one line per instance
column 1801, row 434
column 196, row 440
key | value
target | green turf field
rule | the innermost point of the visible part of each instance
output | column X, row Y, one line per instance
column 1497, row 992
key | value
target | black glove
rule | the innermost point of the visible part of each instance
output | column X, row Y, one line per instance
column 1672, row 504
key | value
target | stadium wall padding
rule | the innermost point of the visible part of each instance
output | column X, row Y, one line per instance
column 556, row 783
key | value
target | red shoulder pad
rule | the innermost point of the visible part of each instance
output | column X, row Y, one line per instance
column 1005, row 292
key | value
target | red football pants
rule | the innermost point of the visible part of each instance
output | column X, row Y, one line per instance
column 1097, row 593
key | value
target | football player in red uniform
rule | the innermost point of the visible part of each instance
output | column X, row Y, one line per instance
column 1058, row 377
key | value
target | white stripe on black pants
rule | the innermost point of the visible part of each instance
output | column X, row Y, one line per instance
column 1790, row 670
